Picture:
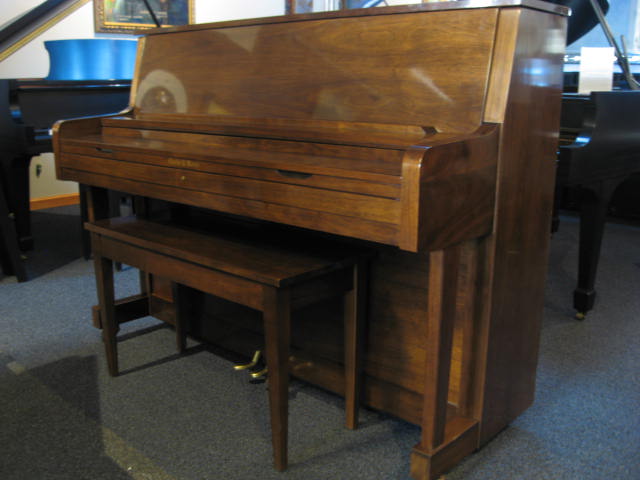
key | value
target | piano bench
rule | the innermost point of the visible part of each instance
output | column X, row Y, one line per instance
column 259, row 274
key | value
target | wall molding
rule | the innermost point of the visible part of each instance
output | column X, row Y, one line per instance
column 54, row 201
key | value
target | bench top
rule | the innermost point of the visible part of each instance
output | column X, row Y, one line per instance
column 266, row 260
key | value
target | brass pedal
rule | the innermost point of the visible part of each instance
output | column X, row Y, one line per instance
column 260, row 373
column 254, row 361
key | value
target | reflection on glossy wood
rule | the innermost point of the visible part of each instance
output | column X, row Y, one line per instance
column 317, row 70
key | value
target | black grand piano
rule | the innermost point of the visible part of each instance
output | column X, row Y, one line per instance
column 87, row 77
column 599, row 149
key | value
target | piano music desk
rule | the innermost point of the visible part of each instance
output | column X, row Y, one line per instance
column 258, row 274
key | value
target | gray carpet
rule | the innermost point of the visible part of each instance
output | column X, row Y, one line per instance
column 192, row 417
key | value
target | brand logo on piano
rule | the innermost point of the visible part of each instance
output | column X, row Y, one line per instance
column 182, row 162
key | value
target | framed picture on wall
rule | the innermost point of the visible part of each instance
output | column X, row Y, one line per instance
column 126, row 16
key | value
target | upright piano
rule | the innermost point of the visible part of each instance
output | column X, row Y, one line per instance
column 358, row 125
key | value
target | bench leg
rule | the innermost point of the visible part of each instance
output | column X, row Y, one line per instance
column 354, row 315
column 277, row 328
column 106, row 301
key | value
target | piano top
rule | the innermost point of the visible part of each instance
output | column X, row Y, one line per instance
column 359, row 12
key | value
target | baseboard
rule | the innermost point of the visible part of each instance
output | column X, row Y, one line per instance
column 55, row 201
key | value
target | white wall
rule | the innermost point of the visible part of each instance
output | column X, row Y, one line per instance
column 12, row 9
column 32, row 60
column 220, row 10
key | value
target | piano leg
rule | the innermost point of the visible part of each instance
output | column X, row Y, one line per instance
column 443, row 279
column 558, row 198
column 445, row 439
column 10, row 258
column 16, row 172
column 593, row 209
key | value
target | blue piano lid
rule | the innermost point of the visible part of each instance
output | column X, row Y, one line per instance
column 91, row 59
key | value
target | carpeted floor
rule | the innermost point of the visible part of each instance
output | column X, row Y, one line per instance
column 192, row 417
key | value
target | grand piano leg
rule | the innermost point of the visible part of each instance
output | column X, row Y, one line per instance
column 10, row 258
column 16, row 171
column 593, row 209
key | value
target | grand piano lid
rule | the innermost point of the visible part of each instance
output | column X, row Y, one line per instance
column 583, row 18
column 91, row 59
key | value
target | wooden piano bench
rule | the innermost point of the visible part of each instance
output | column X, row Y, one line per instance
column 255, row 273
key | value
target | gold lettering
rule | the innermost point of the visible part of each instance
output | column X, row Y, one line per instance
column 182, row 162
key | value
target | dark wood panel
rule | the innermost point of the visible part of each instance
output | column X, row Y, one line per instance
column 341, row 203
column 266, row 261
column 316, row 152
column 357, row 134
column 236, row 290
column 341, row 225
column 317, row 70
column 526, row 174
column 281, row 172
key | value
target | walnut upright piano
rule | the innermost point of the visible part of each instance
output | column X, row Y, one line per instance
column 427, row 132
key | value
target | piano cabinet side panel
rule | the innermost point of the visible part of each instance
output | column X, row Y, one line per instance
column 520, row 243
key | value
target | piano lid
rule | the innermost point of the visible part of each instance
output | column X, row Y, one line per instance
column 91, row 59
column 583, row 18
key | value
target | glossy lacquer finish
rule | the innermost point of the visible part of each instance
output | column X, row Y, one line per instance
column 319, row 70
column 429, row 130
